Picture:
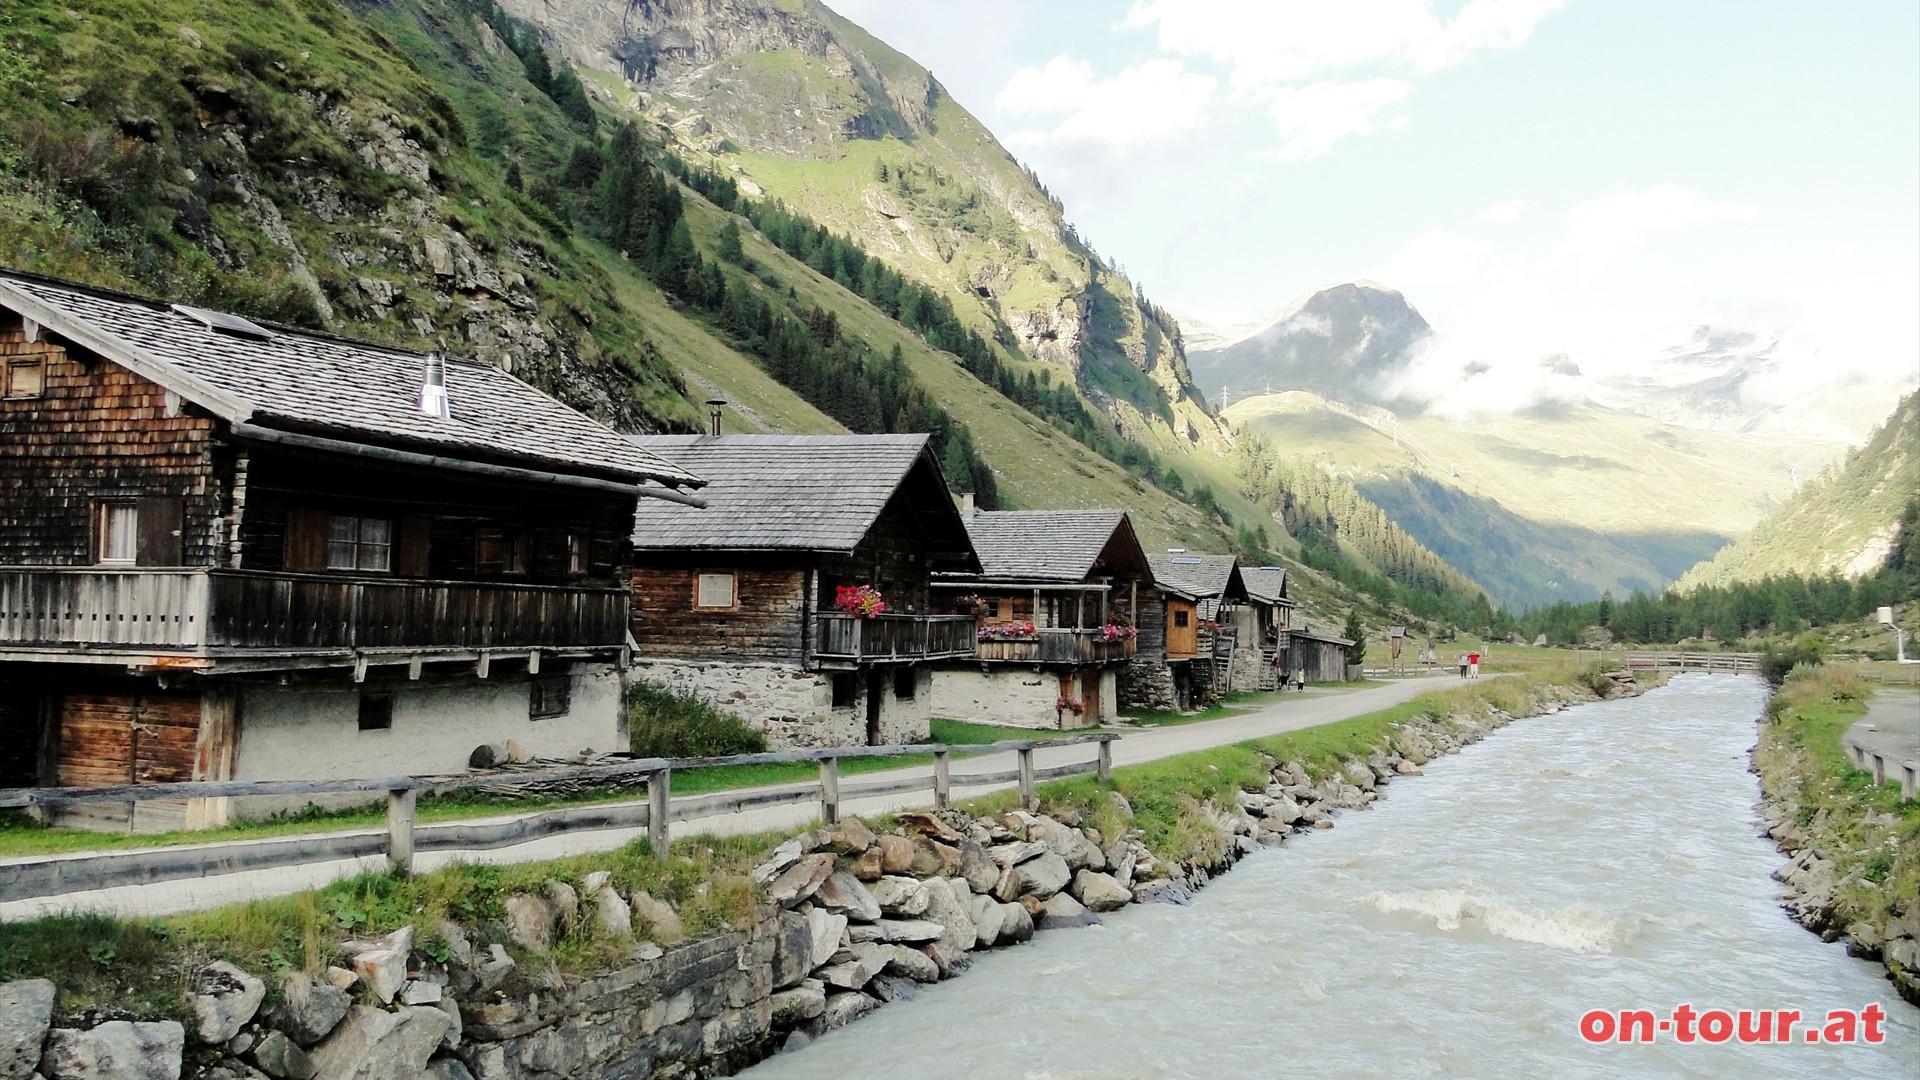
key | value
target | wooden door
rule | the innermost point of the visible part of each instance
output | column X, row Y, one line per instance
column 1090, row 697
column 140, row 737
column 1183, row 627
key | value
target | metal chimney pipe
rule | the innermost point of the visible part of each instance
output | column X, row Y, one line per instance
column 433, row 389
column 714, row 405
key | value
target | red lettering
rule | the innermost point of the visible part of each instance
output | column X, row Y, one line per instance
column 1683, row 1023
column 1636, row 1025
column 1783, row 1022
column 1597, row 1026
column 1871, row 1018
column 1754, row 1025
column 1842, row 1026
column 1716, row 1025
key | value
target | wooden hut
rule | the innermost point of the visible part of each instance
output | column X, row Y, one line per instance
column 1181, row 656
column 236, row 551
column 1055, row 606
column 1261, row 628
column 764, row 603
column 1323, row 655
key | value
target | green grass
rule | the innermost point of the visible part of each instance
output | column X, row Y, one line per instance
column 1235, row 704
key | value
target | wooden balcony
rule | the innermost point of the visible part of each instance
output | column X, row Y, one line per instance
column 840, row 640
column 209, row 612
column 1076, row 647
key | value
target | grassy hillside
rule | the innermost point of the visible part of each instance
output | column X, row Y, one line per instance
column 1844, row 521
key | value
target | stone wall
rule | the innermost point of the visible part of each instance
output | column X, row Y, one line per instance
column 794, row 707
column 1000, row 694
column 1146, row 683
column 1248, row 668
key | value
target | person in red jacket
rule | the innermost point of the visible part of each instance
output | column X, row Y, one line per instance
column 1473, row 665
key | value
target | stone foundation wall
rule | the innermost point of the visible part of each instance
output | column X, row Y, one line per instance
column 794, row 707
column 1249, row 666
column 1146, row 683
column 1002, row 694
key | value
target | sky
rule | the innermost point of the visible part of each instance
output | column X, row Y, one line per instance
column 1546, row 180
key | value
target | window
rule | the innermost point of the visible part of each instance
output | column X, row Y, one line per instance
column 1180, row 619
column 359, row 543
column 26, row 378
column 376, row 712
column 713, row 591
column 116, row 533
column 906, row 683
column 844, row 689
column 993, row 607
column 550, row 696
column 497, row 551
column 577, row 564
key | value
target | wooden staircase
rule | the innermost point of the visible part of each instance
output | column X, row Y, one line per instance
column 1269, row 675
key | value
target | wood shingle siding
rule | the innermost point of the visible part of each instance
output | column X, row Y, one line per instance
column 766, row 623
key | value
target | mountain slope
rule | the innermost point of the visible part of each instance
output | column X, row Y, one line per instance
column 1845, row 521
column 1344, row 343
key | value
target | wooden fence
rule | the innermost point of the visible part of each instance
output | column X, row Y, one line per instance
column 403, row 838
column 1739, row 663
column 1880, row 764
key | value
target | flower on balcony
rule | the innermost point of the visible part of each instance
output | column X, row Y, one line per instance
column 1118, row 632
column 860, row 601
column 1009, row 631
column 1065, row 704
column 969, row 604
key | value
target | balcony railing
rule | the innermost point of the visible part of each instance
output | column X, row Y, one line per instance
column 200, row 609
column 846, row 638
column 1054, row 646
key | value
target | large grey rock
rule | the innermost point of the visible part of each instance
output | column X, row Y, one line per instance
column 1041, row 877
column 902, row 896
column 1069, row 844
column 988, row 921
column 281, row 1058
column 1016, row 925
column 612, row 915
column 977, row 867
column 911, row 963
column 308, row 1011
column 26, row 1011
column 1063, row 912
column 947, row 905
column 798, row 1005
column 826, row 928
column 899, row 931
column 843, row 893
column 792, row 950
column 799, row 881
column 1099, row 892
column 784, row 856
column 373, row 1044
column 662, row 923
column 855, row 973
column 1162, row 891
column 384, row 967
column 225, row 1000
column 116, row 1050
column 844, row 1008
column 447, row 1069
column 1016, row 853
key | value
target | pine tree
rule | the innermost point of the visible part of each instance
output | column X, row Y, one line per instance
column 1354, row 632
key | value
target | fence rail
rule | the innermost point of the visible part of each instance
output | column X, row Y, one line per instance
column 1880, row 764
column 1056, row 646
column 892, row 637
column 1693, row 661
column 402, row 838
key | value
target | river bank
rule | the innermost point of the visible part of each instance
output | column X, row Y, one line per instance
column 577, row 968
column 1853, row 846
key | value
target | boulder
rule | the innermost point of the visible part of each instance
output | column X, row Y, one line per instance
column 420, row 992
column 116, row 1050
column 1099, row 892
column 384, row 966
column 566, row 903
column 373, row 1044
column 529, row 923
column 989, row 919
column 612, row 915
column 825, row 929
column 896, row 987
column 867, row 866
column 977, row 867
column 308, row 1011
column 912, row 964
column 1122, row 858
column 900, row 896
column 26, row 1011
column 446, row 1069
column 1016, row 926
column 898, row 931
column 1162, row 891
column 798, row 1005
column 949, row 910
column 1016, row 853
column 281, row 1058
column 1063, row 912
column 662, row 923
column 799, row 881
column 854, row 973
column 844, row 1008
column 792, row 949
column 843, row 893
column 896, row 853
column 1041, row 877
column 927, row 824
column 783, row 857
column 494, row 970
column 1407, row 768
column 850, row 837
column 949, row 960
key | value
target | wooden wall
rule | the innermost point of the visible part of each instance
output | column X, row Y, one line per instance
column 767, row 623
column 1181, row 641
column 98, row 431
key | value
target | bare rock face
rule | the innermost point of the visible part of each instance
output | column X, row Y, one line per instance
column 373, row 1044
column 116, row 1050
column 384, row 967
column 308, row 1011
column 225, row 999
column 26, row 1011
column 1099, row 892
column 843, row 893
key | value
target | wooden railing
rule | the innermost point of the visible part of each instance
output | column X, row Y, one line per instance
column 1056, row 646
column 196, row 609
column 22, row 879
column 1693, row 661
column 892, row 637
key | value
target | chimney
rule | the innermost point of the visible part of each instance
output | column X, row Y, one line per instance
column 714, row 405
column 433, row 390
column 966, row 504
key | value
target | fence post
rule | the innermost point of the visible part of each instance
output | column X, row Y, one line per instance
column 1105, row 769
column 942, row 779
column 1909, row 779
column 659, row 792
column 1026, row 777
column 1879, row 769
column 400, row 803
column 830, row 790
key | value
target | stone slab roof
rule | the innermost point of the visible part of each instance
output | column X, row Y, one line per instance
column 1198, row 577
column 1051, row 545
column 1266, row 584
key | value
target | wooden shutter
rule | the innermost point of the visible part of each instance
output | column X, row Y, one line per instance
column 306, row 546
column 162, row 521
column 416, row 535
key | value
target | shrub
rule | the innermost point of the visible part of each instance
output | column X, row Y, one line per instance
column 664, row 724
column 1777, row 662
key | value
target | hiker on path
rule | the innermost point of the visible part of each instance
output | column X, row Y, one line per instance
column 1300, row 678
column 1473, row 665
column 1463, row 665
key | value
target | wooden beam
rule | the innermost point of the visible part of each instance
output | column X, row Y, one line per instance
column 30, row 330
column 533, row 661
column 484, row 665
column 360, row 669
column 659, row 791
column 1026, row 777
column 414, row 666
column 830, row 790
column 400, row 807
column 942, row 779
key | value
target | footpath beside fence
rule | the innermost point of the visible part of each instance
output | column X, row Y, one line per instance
column 403, row 837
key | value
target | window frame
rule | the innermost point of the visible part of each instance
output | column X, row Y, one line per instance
column 700, row 578
column 845, row 689
column 37, row 364
column 375, row 711
column 512, row 561
column 358, row 545
column 549, row 696
column 1182, row 619
column 906, row 678
column 579, row 555
column 104, row 534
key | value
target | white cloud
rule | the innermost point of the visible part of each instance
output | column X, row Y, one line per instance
column 1600, row 229
column 1502, row 213
column 1312, row 118
column 1144, row 103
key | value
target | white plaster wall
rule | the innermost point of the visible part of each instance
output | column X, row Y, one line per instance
column 795, row 707
column 1003, row 694
column 311, row 732
column 1109, row 694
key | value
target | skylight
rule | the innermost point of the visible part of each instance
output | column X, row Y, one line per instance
column 221, row 322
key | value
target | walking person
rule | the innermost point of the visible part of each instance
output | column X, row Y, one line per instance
column 1473, row 665
column 1463, row 666
column 1300, row 678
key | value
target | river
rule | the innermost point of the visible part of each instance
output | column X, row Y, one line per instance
column 1602, row 858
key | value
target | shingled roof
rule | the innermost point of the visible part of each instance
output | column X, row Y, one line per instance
column 1266, row 584
column 315, row 384
column 795, row 492
column 1053, row 545
column 1198, row 577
